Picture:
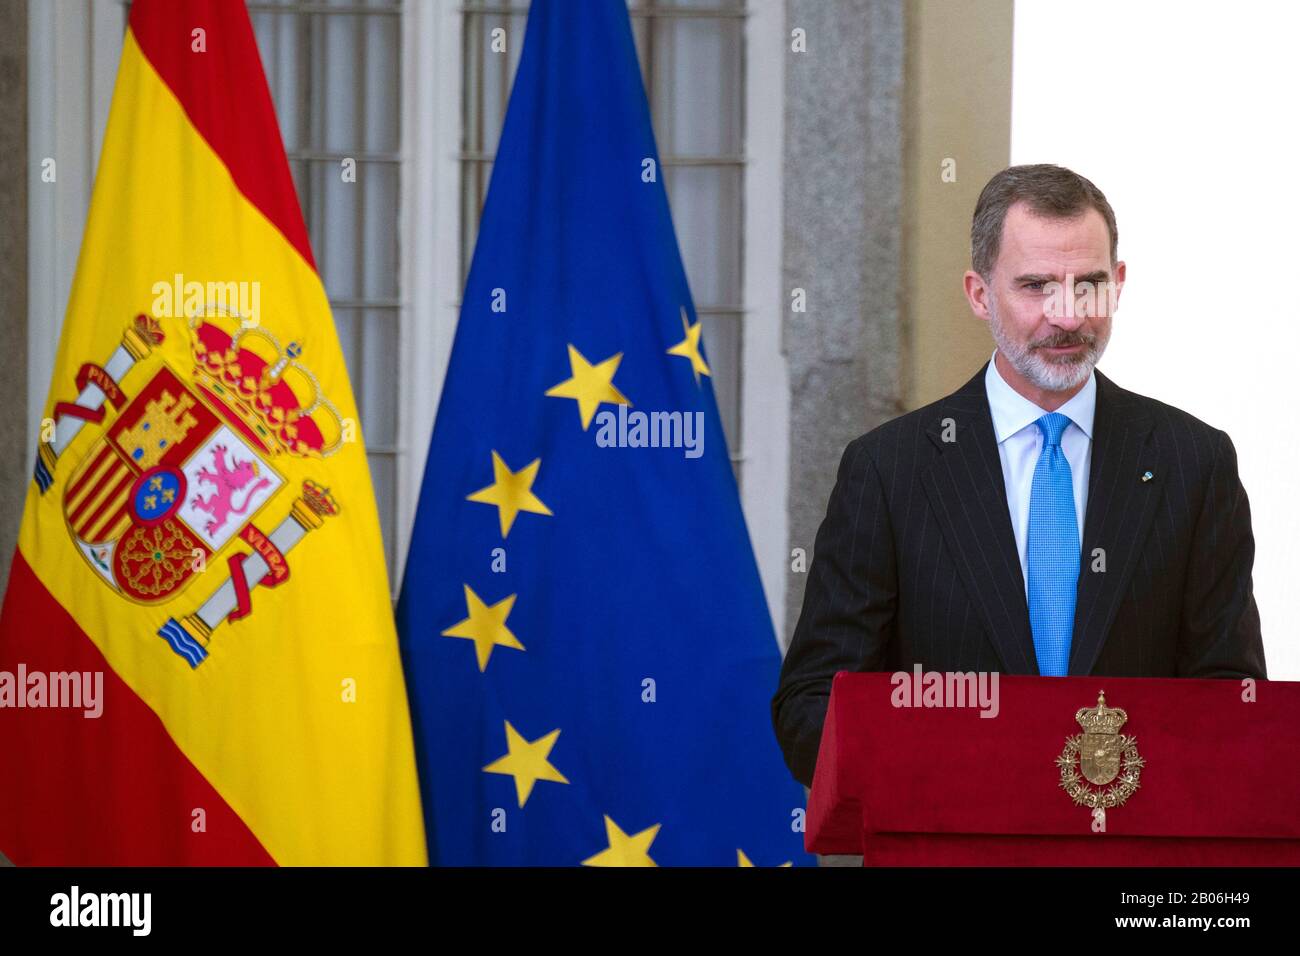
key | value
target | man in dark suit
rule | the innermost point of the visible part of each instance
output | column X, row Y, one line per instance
column 1041, row 519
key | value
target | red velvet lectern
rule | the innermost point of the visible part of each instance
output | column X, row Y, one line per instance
column 1219, row 778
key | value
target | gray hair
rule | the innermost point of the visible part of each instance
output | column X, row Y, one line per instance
column 1051, row 191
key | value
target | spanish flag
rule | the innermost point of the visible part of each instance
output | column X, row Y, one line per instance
column 198, row 663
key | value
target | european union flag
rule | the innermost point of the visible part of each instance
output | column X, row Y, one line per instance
column 589, row 655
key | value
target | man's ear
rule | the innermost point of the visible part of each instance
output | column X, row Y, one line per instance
column 977, row 293
column 1121, row 270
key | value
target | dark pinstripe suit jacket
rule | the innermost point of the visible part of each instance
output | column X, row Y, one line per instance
column 916, row 562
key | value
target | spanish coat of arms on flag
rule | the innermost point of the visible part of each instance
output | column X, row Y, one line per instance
column 201, row 526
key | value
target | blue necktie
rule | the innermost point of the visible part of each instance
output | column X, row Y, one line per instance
column 1053, row 551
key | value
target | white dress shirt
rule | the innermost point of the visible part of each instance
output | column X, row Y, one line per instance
column 1020, row 442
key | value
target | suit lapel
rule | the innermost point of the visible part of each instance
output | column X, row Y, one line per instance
column 968, row 495
column 1118, row 517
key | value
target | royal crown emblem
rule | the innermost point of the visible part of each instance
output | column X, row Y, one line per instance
column 1100, row 756
column 179, row 474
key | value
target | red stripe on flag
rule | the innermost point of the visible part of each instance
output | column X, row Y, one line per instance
column 112, row 475
column 224, row 93
column 112, row 790
column 85, row 527
column 86, row 476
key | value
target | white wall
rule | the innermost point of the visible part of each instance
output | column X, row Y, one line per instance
column 1187, row 115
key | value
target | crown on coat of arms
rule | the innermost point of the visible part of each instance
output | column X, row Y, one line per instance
column 276, row 397
column 143, row 335
column 319, row 499
column 1101, row 719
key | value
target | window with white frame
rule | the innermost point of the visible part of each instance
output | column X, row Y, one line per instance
column 335, row 73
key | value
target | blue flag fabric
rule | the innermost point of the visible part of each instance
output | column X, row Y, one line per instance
column 589, row 655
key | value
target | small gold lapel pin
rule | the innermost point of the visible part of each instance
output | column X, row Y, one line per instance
column 1147, row 476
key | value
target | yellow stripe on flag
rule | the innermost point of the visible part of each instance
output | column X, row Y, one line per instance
column 268, row 718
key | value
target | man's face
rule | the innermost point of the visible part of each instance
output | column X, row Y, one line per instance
column 1050, row 296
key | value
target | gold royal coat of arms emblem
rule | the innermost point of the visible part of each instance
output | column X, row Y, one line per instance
column 1100, row 768
column 181, row 473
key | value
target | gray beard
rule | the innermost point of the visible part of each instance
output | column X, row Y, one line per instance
column 1044, row 373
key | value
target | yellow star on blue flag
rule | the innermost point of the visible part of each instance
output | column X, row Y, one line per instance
column 579, row 500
